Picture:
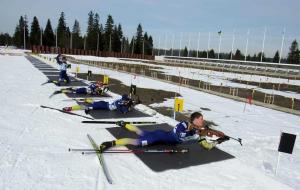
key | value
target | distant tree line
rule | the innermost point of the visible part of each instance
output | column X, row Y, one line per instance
column 292, row 58
column 107, row 37
column 110, row 37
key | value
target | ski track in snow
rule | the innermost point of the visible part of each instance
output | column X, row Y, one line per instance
column 37, row 140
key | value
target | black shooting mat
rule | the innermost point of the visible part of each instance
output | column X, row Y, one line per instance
column 49, row 69
column 73, row 81
column 165, row 161
column 106, row 114
column 51, row 73
column 44, row 67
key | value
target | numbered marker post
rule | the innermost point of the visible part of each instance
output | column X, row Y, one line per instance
column 105, row 79
column 178, row 105
column 286, row 145
column 77, row 70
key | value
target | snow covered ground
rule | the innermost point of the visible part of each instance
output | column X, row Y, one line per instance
column 34, row 141
column 212, row 77
column 12, row 50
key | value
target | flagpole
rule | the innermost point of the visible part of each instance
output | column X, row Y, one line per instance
column 173, row 44
column 198, row 44
column 247, row 45
column 166, row 38
column 220, row 37
column 233, row 39
column 189, row 44
column 180, row 44
column 208, row 44
column 263, row 46
column 158, row 45
column 282, row 42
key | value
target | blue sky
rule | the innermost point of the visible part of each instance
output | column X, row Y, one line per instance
column 174, row 17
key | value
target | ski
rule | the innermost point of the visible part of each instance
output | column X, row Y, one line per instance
column 55, row 93
column 101, row 160
column 70, row 113
column 115, row 122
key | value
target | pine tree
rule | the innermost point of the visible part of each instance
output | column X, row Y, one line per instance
column 62, row 36
column 35, row 33
column 138, row 48
column 150, row 46
column 89, row 32
column 294, row 54
column 132, row 45
column 17, row 38
column 19, row 33
column 48, row 35
column 276, row 57
column 101, row 38
column 5, row 39
column 146, row 44
column 97, row 31
column 211, row 54
column 108, row 33
column 229, row 56
column 259, row 58
column 254, row 58
column 125, row 45
column 77, row 41
column 248, row 58
column 185, row 52
column 238, row 55
column 116, row 38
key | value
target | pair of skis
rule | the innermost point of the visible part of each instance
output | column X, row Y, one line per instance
column 99, row 154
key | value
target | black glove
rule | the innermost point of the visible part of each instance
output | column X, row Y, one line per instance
column 121, row 123
column 87, row 110
column 222, row 139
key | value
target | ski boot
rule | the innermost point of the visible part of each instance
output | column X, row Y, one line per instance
column 106, row 145
column 67, row 109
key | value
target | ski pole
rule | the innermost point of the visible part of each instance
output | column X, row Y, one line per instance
column 80, row 149
column 87, row 150
column 138, row 151
column 237, row 139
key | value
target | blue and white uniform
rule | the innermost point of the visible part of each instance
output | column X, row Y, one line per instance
column 179, row 134
column 120, row 105
column 92, row 89
column 62, row 69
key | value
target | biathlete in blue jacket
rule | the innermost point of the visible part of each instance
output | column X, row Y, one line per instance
column 184, row 131
column 123, row 105
column 62, row 62
column 93, row 89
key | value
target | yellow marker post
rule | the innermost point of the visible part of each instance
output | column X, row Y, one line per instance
column 77, row 70
column 178, row 106
column 105, row 79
